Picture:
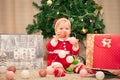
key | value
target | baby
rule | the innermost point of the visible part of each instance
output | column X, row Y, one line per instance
column 62, row 48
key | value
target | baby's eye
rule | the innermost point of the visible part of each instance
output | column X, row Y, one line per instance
column 61, row 28
column 66, row 28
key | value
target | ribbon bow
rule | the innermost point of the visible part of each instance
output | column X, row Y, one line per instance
column 106, row 42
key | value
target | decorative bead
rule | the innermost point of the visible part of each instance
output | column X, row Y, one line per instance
column 83, row 73
column 64, row 46
column 64, row 43
column 100, row 75
column 50, row 70
column 12, row 68
column 9, row 75
column 3, row 69
column 25, row 74
column 42, row 72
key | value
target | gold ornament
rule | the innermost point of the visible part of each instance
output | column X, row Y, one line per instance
column 84, row 31
column 49, row 2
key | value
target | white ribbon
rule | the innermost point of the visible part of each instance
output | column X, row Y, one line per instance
column 106, row 42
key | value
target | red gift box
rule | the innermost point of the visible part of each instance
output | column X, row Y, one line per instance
column 103, row 52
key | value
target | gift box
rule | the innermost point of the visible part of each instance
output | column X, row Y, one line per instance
column 22, row 51
column 103, row 52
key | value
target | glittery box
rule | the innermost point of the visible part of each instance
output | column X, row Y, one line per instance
column 22, row 51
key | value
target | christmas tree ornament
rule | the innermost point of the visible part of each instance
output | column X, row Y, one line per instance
column 84, row 31
column 100, row 75
column 83, row 73
column 69, row 69
column 12, row 68
column 49, row 2
column 3, row 69
column 9, row 75
column 42, row 72
column 25, row 74
column 50, row 70
column 75, row 61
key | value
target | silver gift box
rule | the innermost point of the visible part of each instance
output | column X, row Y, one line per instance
column 22, row 51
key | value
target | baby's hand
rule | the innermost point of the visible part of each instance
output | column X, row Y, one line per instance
column 61, row 34
column 74, row 41
column 56, row 37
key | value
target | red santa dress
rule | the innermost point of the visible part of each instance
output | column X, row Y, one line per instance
column 61, row 52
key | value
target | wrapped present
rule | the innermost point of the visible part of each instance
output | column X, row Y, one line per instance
column 22, row 51
column 103, row 52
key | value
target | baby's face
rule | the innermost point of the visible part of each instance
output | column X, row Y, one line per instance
column 63, row 30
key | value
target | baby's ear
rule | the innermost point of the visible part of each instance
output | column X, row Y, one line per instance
column 55, row 31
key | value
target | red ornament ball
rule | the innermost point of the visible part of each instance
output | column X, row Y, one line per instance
column 42, row 72
column 12, row 68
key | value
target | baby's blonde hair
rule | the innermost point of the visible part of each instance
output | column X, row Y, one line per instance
column 62, row 20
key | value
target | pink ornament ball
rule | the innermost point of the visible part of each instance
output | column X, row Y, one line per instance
column 83, row 73
column 9, row 75
column 50, row 70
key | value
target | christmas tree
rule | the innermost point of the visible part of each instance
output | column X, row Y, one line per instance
column 84, row 15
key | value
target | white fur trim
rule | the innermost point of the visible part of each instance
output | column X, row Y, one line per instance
column 62, row 53
column 75, row 48
column 77, row 69
column 56, row 63
column 69, row 59
column 53, row 42
column 59, row 51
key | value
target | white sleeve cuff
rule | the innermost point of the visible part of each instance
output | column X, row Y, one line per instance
column 75, row 48
column 53, row 42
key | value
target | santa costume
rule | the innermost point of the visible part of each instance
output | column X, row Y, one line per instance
column 61, row 52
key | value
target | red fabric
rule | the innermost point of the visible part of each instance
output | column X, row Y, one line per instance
column 60, row 46
column 104, row 57
column 58, row 72
column 78, row 68
column 53, row 57
column 56, row 21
